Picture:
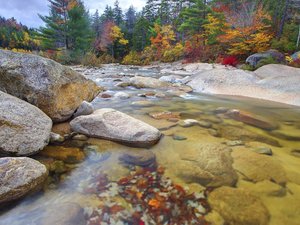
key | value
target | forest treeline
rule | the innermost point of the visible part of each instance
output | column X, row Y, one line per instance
column 165, row 30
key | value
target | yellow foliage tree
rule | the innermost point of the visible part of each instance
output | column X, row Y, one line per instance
column 117, row 35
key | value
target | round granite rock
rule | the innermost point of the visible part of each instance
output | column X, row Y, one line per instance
column 19, row 177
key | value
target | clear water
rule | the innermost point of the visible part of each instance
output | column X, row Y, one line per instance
column 111, row 191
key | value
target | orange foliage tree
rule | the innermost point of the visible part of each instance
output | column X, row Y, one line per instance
column 247, row 30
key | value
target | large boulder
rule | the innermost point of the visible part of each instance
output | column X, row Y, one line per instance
column 272, row 82
column 116, row 126
column 19, row 177
column 55, row 89
column 254, row 59
column 276, row 71
column 238, row 207
column 24, row 129
column 228, row 81
column 207, row 164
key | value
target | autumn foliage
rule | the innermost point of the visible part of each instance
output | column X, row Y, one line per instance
column 245, row 36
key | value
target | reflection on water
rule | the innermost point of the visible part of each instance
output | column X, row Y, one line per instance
column 101, row 182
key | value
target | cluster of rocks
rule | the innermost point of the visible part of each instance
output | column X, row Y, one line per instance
column 35, row 93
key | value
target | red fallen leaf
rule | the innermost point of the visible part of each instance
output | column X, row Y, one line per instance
column 115, row 209
column 142, row 183
column 154, row 203
column 160, row 170
column 124, row 180
column 179, row 189
column 141, row 222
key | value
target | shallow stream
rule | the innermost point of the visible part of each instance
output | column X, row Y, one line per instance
column 94, row 182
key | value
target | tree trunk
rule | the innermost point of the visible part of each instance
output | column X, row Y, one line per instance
column 298, row 39
column 283, row 19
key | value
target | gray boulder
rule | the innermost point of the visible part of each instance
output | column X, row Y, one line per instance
column 116, row 126
column 254, row 59
column 85, row 108
column 19, row 177
column 24, row 129
column 55, row 89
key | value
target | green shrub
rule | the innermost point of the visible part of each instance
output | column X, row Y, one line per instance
column 266, row 61
column 247, row 67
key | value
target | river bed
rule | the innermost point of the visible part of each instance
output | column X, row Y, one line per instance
column 188, row 171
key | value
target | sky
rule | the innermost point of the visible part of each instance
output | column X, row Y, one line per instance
column 25, row 11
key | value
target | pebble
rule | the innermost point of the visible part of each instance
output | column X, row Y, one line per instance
column 80, row 137
column 263, row 150
column 234, row 143
column 56, row 138
column 179, row 138
column 296, row 152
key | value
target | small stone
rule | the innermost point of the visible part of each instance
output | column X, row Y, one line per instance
column 179, row 138
column 105, row 95
column 56, row 138
column 123, row 84
column 122, row 95
column 234, row 143
column 142, row 104
column 91, row 148
column 61, row 128
column 204, row 124
column 80, row 137
column 188, row 123
column 296, row 152
column 263, row 150
column 160, row 95
column 85, row 108
column 213, row 132
column 221, row 110
column 165, row 115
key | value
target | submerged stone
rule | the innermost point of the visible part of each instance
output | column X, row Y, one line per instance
column 238, row 207
column 241, row 133
column 207, row 164
column 257, row 167
column 143, row 158
column 165, row 115
column 68, row 155
column 251, row 119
